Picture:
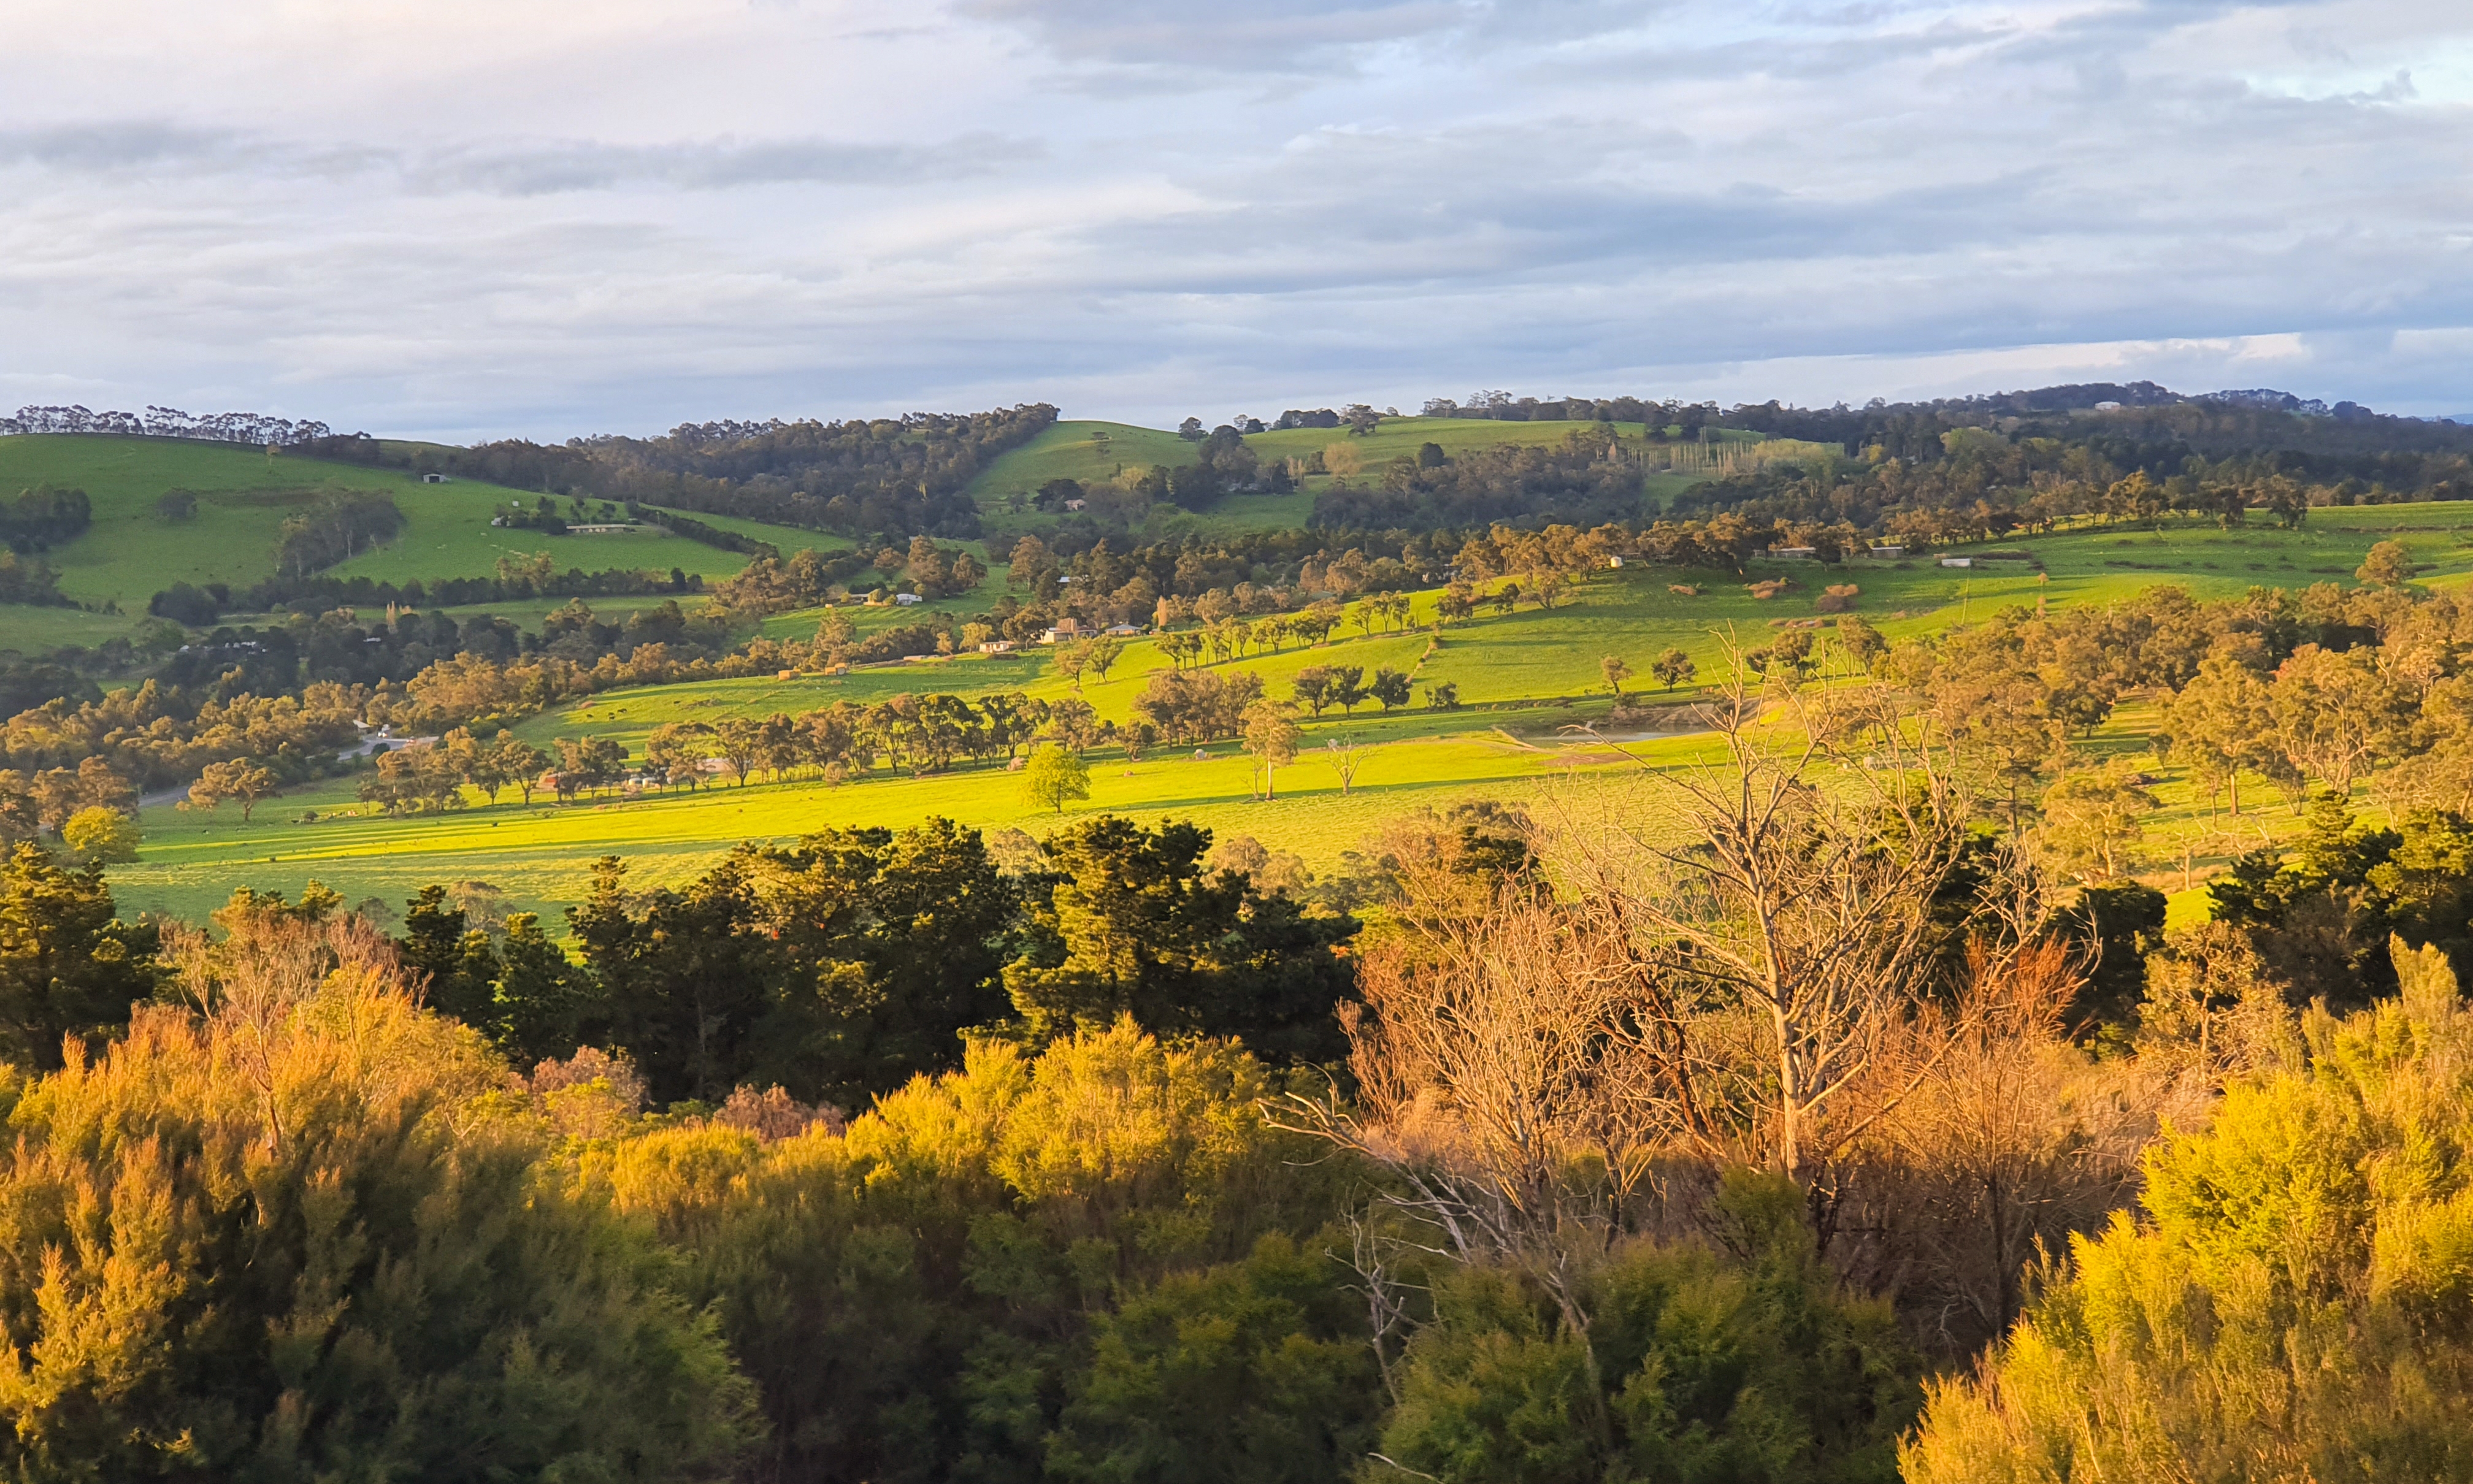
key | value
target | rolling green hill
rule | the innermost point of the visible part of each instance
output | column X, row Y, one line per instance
column 131, row 552
column 1095, row 453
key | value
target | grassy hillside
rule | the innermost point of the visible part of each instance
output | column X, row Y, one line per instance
column 1524, row 679
column 1091, row 451
column 131, row 553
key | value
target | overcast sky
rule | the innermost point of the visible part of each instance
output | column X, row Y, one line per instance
column 480, row 218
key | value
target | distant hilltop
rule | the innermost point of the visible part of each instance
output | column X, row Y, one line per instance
column 2094, row 397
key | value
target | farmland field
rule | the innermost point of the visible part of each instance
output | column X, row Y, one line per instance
column 1524, row 680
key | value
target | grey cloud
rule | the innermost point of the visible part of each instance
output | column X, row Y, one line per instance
column 1282, row 35
column 1440, row 195
column 1163, row 40
column 583, row 166
column 545, row 167
column 124, row 145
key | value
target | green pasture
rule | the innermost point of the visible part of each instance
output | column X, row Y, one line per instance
column 541, row 855
column 37, row 631
column 131, row 553
column 1095, row 452
column 2214, row 562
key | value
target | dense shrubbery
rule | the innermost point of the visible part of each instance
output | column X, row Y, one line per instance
column 2292, row 1303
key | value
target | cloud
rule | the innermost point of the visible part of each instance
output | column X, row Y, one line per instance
column 694, row 210
column 1273, row 35
column 127, row 144
column 583, row 166
column 530, row 168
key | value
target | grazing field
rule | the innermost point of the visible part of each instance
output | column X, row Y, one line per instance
column 541, row 855
column 1525, row 679
column 1095, row 453
column 131, row 552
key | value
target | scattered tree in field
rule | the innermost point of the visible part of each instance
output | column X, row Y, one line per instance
column 1100, row 656
column 2222, row 724
column 1271, row 736
column 1443, row 695
column 1312, row 688
column 1390, row 687
column 1072, row 657
column 240, row 778
column 2094, row 821
column 520, row 763
column 1859, row 641
column 2390, row 564
column 1673, row 668
column 1348, row 687
column 1616, row 672
column 1345, row 757
column 1055, row 776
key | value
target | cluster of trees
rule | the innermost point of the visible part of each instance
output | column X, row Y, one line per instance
column 1318, row 688
column 807, row 579
column 516, row 577
column 156, row 735
column 883, row 478
column 844, row 966
column 1187, row 706
column 45, row 516
column 90, row 808
column 223, row 427
column 30, row 580
column 843, row 742
column 1587, row 478
column 336, row 525
column 1504, row 407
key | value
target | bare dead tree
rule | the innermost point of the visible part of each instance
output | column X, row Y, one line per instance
column 1500, row 1094
column 1792, row 883
column 2006, row 1139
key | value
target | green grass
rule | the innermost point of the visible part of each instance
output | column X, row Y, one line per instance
column 1095, row 452
column 37, row 631
column 543, row 854
column 131, row 553
column 1524, row 680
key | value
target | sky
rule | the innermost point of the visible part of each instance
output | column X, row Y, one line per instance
column 469, row 219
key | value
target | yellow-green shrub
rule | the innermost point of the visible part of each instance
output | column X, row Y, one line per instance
column 2293, row 1304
